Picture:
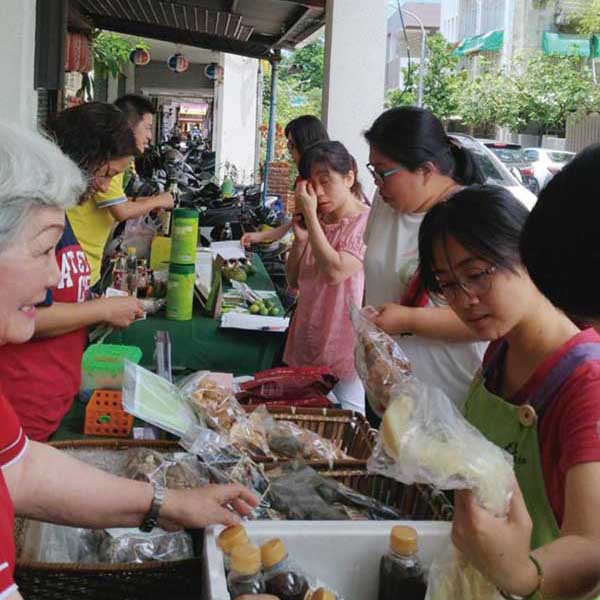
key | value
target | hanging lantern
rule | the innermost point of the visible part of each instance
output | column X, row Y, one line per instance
column 212, row 71
column 140, row 57
column 178, row 63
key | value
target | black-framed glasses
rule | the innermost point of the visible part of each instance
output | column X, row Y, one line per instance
column 380, row 176
column 475, row 285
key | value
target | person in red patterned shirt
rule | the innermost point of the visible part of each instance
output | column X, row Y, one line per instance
column 37, row 183
column 537, row 396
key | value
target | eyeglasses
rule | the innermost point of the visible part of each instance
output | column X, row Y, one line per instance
column 474, row 285
column 380, row 176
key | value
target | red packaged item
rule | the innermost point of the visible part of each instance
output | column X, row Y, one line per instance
column 289, row 384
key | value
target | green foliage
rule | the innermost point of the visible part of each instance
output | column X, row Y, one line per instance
column 111, row 52
column 588, row 20
column 304, row 67
column 441, row 84
column 540, row 90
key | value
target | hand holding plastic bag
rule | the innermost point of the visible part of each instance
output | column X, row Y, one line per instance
column 424, row 439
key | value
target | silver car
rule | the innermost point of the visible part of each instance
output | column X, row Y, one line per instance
column 547, row 163
column 493, row 169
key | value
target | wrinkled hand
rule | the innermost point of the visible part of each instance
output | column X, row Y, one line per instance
column 208, row 505
column 164, row 200
column 306, row 199
column 498, row 547
column 122, row 312
column 393, row 318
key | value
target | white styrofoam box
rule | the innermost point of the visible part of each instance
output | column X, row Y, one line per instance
column 344, row 555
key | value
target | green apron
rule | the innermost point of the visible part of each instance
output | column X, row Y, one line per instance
column 515, row 428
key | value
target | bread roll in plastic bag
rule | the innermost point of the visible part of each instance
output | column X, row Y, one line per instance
column 424, row 439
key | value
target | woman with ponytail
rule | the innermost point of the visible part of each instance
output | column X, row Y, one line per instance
column 415, row 166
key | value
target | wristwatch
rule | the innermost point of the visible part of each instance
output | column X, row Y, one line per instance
column 151, row 519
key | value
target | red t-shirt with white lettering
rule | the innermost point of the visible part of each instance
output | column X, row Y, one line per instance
column 568, row 432
column 41, row 377
column 12, row 447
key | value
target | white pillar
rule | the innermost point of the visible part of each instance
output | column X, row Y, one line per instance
column 113, row 89
column 18, row 101
column 354, row 82
column 235, row 116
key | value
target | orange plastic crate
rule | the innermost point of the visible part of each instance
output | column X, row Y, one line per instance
column 104, row 415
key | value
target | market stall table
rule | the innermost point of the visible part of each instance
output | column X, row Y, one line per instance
column 196, row 345
column 201, row 343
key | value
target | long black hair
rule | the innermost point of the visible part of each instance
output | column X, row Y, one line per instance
column 334, row 156
column 560, row 242
column 412, row 136
column 92, row 134
column 485, row 219
column 306, row 131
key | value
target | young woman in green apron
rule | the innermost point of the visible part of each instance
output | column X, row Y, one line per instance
column 537, row 396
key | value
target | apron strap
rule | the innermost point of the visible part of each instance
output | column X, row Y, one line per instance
column 567, row 365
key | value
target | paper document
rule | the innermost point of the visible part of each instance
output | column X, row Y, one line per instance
column 204, row 271
column 229, row 250
column 236, row 320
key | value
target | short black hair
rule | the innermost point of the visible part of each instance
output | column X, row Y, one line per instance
column 306, row 131
column 135, row 107
column 560, row 242
column 336, row 157
column 92, row 134
column 486, row 219
column 412, row 136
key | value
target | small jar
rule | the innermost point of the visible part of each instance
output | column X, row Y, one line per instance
column 246, row 575
column 228, row 539
column 283, row 578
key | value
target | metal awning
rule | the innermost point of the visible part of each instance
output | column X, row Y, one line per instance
column 248, row 27
column 492, row 41
column 562, row 44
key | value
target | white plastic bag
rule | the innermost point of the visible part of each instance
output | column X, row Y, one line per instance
column 425, row 439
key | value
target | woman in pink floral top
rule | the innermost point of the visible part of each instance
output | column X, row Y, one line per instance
column 326, row 266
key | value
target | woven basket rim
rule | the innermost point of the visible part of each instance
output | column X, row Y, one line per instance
column 152, row 565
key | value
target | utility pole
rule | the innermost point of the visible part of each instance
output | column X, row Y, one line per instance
column 423, row 52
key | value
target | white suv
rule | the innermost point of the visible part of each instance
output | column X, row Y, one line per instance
column 547, row 163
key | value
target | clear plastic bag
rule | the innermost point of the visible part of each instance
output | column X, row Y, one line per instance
column 173, row 471
column 424, row 439
column 380, row 363
column 135, row 546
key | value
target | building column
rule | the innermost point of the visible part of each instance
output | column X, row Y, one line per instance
column 234, row 124
column 18, row 102
column 354, row 79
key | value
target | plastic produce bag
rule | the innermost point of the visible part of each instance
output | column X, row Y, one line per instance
column 135, row 546
column 380, row 363
column 424, row 439
column 173, row 471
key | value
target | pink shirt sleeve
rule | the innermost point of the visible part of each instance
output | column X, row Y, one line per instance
column 351, row 239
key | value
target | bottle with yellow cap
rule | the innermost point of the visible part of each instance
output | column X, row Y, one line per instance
column 283, row 578
column 228, row 539
column 246, row 575
column 321, row 594
column 400, row 572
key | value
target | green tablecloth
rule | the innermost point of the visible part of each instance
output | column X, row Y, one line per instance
column 202, row 344
column 197, row 344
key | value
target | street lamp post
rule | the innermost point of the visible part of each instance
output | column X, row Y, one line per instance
column 422, row 61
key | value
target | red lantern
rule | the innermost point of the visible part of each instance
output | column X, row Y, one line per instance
column 178, row 63
column 140, row 57
column 78, row 53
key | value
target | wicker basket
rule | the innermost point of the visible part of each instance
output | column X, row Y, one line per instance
column 414, row 502
column 180, row 580
column 349, row 430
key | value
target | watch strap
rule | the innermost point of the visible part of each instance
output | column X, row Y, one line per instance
column 151, row 519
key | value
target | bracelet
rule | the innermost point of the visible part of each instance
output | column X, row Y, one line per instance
column 151, row 519
column 538, row 587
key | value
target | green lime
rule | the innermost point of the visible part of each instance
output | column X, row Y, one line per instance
column 274, row 311
column 264, row 312
column 254, row 308
column 268, row 304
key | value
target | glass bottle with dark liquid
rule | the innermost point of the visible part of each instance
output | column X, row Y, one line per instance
column 282, row 577
column 246, row 575
column 400, row 572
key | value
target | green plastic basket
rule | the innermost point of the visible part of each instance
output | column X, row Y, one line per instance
column 102, row 366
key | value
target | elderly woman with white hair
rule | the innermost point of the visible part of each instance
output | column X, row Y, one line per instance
column 36, row 480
